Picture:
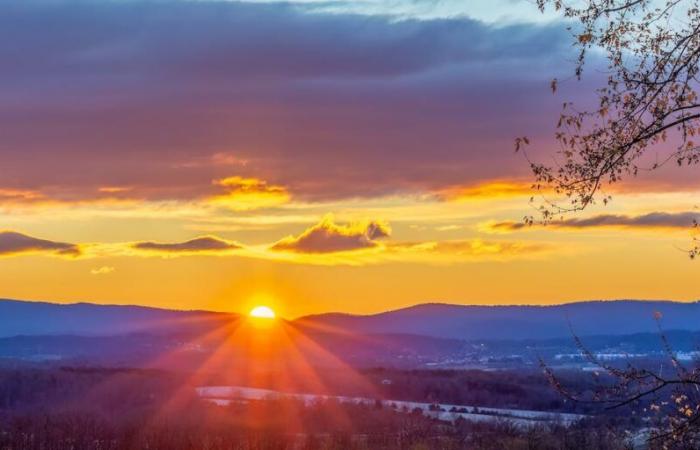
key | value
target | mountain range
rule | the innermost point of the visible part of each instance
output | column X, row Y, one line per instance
column 469, row 322
column 436, row 320
column 427, row 335
column 23, row 318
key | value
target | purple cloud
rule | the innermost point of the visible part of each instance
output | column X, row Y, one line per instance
column 329, row 237
column 203, row 244
column 330, row 105
column 13, row 243
column 683, row 220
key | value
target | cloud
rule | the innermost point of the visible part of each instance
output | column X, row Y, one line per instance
column 204, row 245
column 300, row 99
column 491, row 11
column 59, row 197
column 329, row 237
column 654, row 220
column 466, row 250
column 19, row 196
column 13, row 243
column 425, row 252
column 328, row 243
column 249, row 193
column 303, row 98
column 485, row 191
column 114, row 189
column 104, row 270
column 452, row 227
column 219, row 159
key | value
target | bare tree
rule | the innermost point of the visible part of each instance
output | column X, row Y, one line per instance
column 648, row 111
column 669, row 398
column 647, row 115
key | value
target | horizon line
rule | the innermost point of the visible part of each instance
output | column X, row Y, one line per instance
column 335, row 312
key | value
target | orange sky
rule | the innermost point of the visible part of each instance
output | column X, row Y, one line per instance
column 349, row 158
column 419, row 250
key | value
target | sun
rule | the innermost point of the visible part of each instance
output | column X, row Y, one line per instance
column 262, row 312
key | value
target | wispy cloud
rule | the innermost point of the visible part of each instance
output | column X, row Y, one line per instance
column 466, row 250
column 361, row 243
column 219, row 159
column 59, row 197
column 326, row 243
column 653, row 220
column 423, row 252
column 200, row 245
column 19, row 196
column 488, row 190
column 14, row 243
column 114, row 189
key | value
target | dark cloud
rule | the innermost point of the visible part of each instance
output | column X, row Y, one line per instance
column 221, row 40
column 683, row 220
column 205, row 244
column 12, row 243
column 329, row 237
column 329, row 105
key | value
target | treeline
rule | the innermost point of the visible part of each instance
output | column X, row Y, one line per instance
column 105, row 409
column 110, row 389
column 271, row 427
column 522, row 389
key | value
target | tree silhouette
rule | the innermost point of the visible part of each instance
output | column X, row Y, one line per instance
column 649, row 102
column 647, row 115
column 669, row 398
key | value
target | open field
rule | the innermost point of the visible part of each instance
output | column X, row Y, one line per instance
column 225, row 395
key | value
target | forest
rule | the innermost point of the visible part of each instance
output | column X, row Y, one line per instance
column 56, row 408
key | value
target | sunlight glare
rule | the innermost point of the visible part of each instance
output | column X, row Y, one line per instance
column 262, row 312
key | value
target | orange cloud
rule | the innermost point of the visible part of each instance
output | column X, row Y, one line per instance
column 487, row 190
column 114, row 189
column 14, row 243
column 426, row 252
column 329, row 237
column 33, row 200
column 20, row 196
column 328, row 243
column 469, row 249
column 249, row 193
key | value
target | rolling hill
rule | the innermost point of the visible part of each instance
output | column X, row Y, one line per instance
column 410, row 337
column 87, row 319
column 588, row 318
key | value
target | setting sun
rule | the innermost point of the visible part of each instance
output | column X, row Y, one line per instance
column 262, row 312
column 343, row 225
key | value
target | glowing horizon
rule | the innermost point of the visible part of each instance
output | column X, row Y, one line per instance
column 299, row 164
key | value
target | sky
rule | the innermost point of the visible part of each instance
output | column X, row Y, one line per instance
column 313, row 156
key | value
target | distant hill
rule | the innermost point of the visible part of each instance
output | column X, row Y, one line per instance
column 39, row 318
column 419, row 336
column 588, row 318
column 147, row 350
column 621, row 317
